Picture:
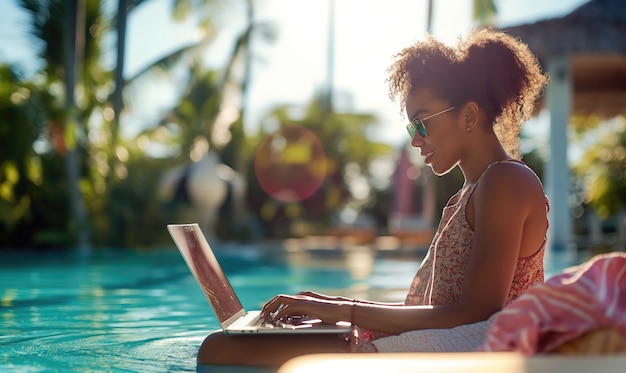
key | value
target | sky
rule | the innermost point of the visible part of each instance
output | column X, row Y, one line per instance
column 292, row 68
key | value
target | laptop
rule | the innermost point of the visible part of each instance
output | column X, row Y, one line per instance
column 233, row 318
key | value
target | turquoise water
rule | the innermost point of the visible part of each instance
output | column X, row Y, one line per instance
column 127, row 311
column 122, row 311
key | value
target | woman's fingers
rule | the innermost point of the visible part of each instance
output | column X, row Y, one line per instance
column 271, row 306
column 303, row 303
column 275, row 304
column 308, row 294
column 295, row 307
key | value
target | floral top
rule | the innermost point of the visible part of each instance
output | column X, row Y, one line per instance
column 439, row 279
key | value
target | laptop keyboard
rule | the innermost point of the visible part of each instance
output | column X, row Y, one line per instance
column 289, row 322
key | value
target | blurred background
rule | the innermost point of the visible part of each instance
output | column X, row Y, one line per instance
column 269, row 119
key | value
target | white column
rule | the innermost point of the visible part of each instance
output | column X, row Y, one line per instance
column 557, row 177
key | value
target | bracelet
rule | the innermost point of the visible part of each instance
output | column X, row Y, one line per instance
column 352, row 309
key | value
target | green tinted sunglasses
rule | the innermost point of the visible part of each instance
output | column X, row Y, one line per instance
column 417, row 125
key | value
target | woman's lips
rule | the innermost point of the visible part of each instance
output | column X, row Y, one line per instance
column 427, row 157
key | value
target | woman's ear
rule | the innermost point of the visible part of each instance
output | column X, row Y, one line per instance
column 470, row 113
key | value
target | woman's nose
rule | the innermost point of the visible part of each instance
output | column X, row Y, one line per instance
column 417, row 141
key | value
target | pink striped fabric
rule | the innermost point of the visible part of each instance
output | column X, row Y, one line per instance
column 579, row 300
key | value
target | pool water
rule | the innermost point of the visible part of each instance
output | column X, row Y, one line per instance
column 131, row 311
column 134, row 311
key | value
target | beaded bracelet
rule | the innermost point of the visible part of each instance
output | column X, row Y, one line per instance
column 352, row 310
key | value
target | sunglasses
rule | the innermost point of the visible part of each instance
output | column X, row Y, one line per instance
column 417, row 125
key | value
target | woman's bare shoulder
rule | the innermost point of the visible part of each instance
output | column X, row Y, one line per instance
column 510, row 185
column 511, row 175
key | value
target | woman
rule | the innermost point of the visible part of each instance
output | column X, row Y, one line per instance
column 466, row 105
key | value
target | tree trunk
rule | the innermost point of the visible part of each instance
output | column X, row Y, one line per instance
column 118, row 101
column 75, row 44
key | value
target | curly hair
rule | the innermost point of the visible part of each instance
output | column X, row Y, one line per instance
column 489, row 67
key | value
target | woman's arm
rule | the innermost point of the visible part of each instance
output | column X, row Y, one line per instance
column 385, row 318
column 316, row 295
column 498, row 211
column 507, row 212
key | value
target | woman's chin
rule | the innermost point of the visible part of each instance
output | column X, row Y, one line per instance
column 440, row 170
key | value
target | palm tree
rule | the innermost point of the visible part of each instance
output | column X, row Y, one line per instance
column 73, row 63
column 74, row 45
column 117, row 101
column 69, row 33
column 124, row 7
column 201, row 102
column 199, row 105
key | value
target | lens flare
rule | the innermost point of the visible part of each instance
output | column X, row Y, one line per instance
column 290, row 164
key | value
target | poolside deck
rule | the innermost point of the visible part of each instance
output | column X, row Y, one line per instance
column 474, row 362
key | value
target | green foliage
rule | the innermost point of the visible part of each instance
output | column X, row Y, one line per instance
column 484, row 11
column 31, row 183
column 197, row 110
column 603, row 168
column 37, row 118
column 135, row 217
column 583, row 124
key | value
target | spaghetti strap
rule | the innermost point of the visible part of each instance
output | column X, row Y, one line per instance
column 508, row 160
column 472, row 187
column 511, row 160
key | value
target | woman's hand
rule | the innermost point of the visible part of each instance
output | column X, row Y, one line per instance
column 270, row 309
column 328, row 311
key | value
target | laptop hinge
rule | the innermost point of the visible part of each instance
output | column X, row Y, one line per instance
column 231, row 320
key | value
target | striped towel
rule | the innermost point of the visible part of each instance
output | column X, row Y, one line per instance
column 579, row 300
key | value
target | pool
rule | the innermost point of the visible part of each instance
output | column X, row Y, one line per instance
column 142, row 311
column 133, row 311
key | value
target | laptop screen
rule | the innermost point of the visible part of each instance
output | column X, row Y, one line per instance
column 208, row 273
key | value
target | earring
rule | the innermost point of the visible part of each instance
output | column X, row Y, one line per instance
column 467, row 129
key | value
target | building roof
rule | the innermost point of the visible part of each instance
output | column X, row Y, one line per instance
column 593, row 36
